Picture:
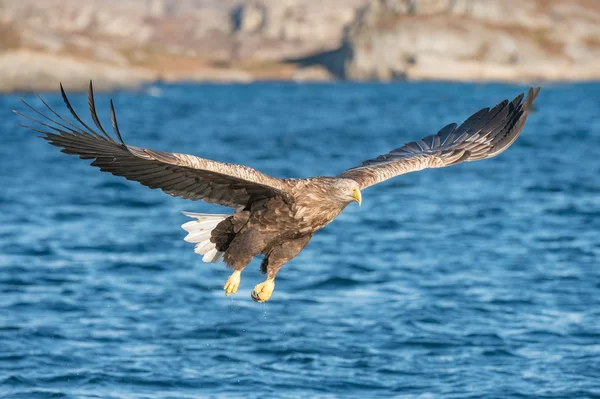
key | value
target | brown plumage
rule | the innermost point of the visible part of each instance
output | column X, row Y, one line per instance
column 274, row 217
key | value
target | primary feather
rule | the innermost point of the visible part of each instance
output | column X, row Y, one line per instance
column 483, row 135
column 179, row 175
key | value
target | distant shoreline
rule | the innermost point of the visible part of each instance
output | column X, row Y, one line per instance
column 146, row 85
column 121, row 44
column 28, row 72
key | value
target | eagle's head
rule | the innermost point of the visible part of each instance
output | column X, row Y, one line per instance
column 347, row 191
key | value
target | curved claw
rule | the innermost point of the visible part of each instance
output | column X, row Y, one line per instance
column 255, row 297
column 263, row 291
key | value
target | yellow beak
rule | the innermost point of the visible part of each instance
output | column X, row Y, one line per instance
column 357, row 196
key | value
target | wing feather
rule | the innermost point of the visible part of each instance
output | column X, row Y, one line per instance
column 484, row 134
column 179, row 175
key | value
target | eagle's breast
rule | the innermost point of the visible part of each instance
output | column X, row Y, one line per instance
column 313, row 206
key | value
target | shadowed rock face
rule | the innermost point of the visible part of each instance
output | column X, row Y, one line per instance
column 472, row 40
column 124, row 42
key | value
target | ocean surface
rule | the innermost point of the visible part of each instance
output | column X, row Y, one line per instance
column 481, row 280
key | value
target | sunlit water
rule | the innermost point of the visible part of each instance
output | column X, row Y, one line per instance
column 479, row 280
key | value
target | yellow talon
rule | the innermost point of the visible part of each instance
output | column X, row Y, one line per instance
column 263, row 291
column 232, row 284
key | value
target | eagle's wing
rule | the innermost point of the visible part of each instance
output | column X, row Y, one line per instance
column 485, row 134
column 179, row 175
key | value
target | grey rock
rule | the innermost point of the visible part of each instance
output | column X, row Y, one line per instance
column 241, row 40
column 468, row 40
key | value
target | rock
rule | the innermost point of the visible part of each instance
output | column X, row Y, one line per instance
column 249, row 18
column 312, row 74
column 468, row 40
column 109, row 55
column 280, row 29
column 209, row 75
column 25, row 70
column 126, row 42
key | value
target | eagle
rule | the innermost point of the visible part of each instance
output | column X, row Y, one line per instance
column 272, row 217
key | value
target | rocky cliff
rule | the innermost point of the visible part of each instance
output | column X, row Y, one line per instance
column 125, row 42
column 473, row 40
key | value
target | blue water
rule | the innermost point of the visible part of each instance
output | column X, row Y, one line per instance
column 477, row 281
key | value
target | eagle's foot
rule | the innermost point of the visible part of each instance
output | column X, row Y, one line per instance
column 232, row 284
column 263, row 291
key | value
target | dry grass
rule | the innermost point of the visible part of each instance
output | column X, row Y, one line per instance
column 389, row 21
column 592, row 41
column 267, row 70
column 9, row 37
column 543, row 38
column 547, row 6
column 160, row 60
column 482, row 52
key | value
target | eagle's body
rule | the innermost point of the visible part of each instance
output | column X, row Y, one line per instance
column 277, row 227
column 274, row 217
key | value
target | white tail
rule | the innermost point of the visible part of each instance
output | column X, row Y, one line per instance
column 200, row 231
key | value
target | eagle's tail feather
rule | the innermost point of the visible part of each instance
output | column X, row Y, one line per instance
column 199, row 232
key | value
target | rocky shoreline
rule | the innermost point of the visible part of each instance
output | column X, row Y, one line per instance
column 127, row 43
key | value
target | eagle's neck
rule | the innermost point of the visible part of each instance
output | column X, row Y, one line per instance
column 314, row 205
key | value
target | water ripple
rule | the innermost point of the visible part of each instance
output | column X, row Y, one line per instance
column 475, row 281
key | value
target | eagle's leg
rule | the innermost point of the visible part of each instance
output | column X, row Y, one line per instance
column 239, row 252
column 275, row 259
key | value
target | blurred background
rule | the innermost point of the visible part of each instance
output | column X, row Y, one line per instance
column 481, row 280
column 125, row 42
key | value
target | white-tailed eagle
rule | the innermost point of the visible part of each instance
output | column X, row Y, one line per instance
column 274, row 217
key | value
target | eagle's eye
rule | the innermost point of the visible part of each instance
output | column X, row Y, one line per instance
column 356, row 195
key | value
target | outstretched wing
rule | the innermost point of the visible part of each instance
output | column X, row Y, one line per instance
column 179, row 175
column 485, row 134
